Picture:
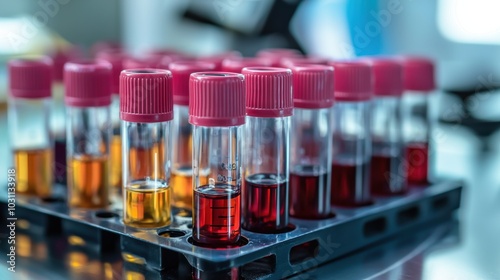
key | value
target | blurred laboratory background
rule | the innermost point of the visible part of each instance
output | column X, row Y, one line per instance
column 461, row 36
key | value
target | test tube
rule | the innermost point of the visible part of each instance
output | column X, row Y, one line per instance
column 236, row 64
column 146, row 113
column 388, row 171
column 418, row 83
column 87, row 98
column 311, row 142
column 116, row 58
column 29, row 118
column 351, row 134
column 269, row 107
column 182, row 131
column 217, row 113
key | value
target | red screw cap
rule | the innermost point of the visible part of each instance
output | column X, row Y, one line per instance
column 216, row 99
column 146, row 95
column 30, row 78
column 418, row 74
column 181, row 71
column 268, row 92
column 116, row 58
column 87, row 83
column 313, row 86
column 387, row 76
column 353, row 80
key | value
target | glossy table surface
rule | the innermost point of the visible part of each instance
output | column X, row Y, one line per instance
column 467, row 247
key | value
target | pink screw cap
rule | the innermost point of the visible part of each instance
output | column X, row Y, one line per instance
column 63, row 55
column 87, row 83
column 387, row 76
column 353, row 80
column 115, row 57
column 313, row 86
column 237, row 64
column 146, row 95
column 181, row 71
column 30, row 78
column 418, row 74
column 268, row 91
column 216, row 99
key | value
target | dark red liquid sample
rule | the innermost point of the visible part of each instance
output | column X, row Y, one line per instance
column 417, row 156
column 266, row 203
column 387, row 175
column 217, row 214
column 60, row 161
column 350, row 184
column 309, row 193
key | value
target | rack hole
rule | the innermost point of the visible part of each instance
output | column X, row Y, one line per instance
column 171, row 233
column 241, row 242
column 106, row 215
column 53, row 199
column 440, row 203
column 375, row 227
column 259, row 268
column 304, row 251
column 409, row 215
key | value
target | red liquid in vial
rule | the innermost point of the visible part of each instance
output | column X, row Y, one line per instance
column 417, row 157
column 387, row 175
column 350, row 184
column 60, row 161
column 309, row 193
column 265, row 203
column 217, row 214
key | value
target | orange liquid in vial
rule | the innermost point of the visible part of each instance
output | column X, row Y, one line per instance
column 147, row 204
column 116, row 161
column 34, row 171
column 182, row 185
column 88, row 181
column 145, row 162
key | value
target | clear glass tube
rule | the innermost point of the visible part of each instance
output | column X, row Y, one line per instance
column 266, row 187
column 416, row 133
column 88, row 143
column 182, row 173
column 116, row 144
column 217, row 184
column 31, row 144
column 310, row 163
column 351, row 154
column 146, row 174
column 388, row 172
column 58, row 128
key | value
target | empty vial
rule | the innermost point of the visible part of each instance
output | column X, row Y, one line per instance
column 146, row 111
column 351, row 134
column 29, row 119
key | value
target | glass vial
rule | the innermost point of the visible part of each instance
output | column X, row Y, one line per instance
column 269, row 107
column 388, row 170
column 29, row 124
column 182, row 131
column 418, row 76
column 116, row 58
column 351, row 134
column 311, row 142
column 217, row 113
column 87, row 98
column 146, row 111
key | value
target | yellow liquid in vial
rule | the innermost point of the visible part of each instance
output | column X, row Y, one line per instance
column 33, row 171
column 116, row 162
column 88, row 182
column 147, row 204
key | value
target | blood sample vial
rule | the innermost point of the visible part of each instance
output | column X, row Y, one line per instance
column 311, row 142
column 418, row 77
column 388, row 170
column 116, row 58
column 236, row 64
column 146, row 111
column 269, row 107
column 29, row 118
column 88, row 98
column 182, row 130
column 217, row 113
column 351, row 134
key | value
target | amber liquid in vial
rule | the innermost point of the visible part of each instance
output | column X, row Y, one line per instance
column 182, row 185
column 147, row 204
column 88, row 181
column 116, row 161
column 34, row 171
